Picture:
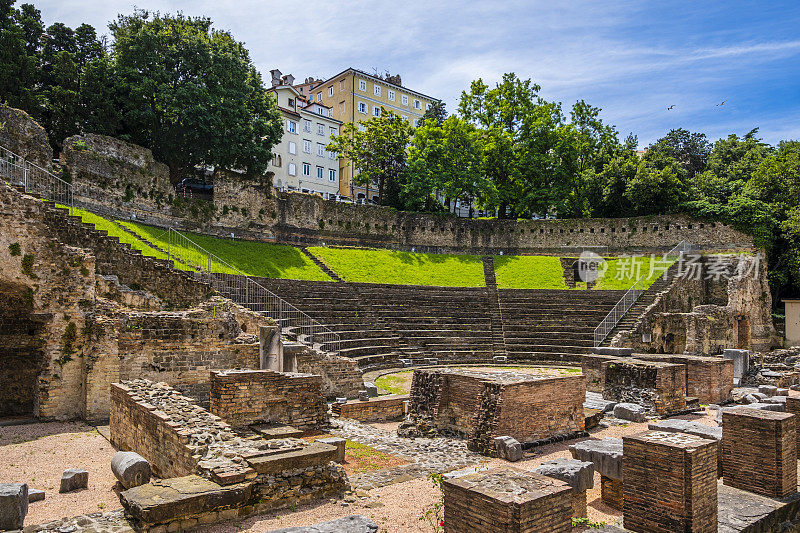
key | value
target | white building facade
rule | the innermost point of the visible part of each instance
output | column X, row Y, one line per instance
column 301, row 161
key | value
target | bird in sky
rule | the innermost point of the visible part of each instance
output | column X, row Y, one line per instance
column 671, row 107
column 721, row 103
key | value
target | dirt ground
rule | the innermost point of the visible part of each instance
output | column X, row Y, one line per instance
column 37, row 454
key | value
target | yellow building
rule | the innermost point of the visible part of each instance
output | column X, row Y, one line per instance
column 354, row 96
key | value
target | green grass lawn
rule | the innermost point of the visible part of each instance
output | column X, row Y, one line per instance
column 252, row 258
column 529, row 272
column 115, row 231
column 397, row 383
column 403, row 268
column 623, row 272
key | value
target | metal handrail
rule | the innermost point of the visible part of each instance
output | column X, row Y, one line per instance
column 630, row 298
column 239, row 287
column 34, row 179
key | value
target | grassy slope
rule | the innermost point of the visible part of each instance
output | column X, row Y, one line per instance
column 529, row 272
column 114, row 231
column 252, row 258
column 403, row 268
column 621, row 274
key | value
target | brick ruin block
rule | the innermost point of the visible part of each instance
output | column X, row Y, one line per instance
column 244, row 397
column 482, row 405
column 760, row 451
column 612, row 492
column 793, row 407
column 507, row 500
column 389, row 407
column 660, row 387
column 709, row 379
column 594, row 370
column 670, row 483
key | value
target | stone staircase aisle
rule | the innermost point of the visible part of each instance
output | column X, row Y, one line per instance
column 495, row 312
column 317, row 261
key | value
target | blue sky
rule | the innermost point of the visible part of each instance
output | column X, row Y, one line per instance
column 631, row 58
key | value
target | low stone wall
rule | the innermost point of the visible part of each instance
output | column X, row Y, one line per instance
column 658, row 386
column 710, row 379
column 248, row 396
column 341, row 376
column 593, row 369
column 236, row 475
column 391, row 407
column 24, row 136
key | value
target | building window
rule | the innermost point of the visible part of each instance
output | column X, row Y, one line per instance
column 330, row 90
column 334, row 131
column 292, row 147
column 341, row 107
column 306, row 169
column 306, row 146
column 276, row 159
column 332, row 155
column 362, row 85
column 291, row 102
column 320, row 172
column 362, row 108
column 427, row 106
column 306, row 125
column 377, row 90
column 404, row 99
column 319, row 97
column 292, row 169
column 291, row 126
column 331, row 174
column 376, row 111
column 390, row 94
column 320, row 149
column 417, row 104
column 320, row 129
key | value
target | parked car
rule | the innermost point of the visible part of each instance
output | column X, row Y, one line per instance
column 195, row 185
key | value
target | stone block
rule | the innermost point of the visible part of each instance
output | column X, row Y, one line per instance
column 768, row 390
column 577, row 474
column 793, row 407
column 348, row 524
column 741, row 362
column 782, row 392
column 35, row 495
column 508, row 448
column 339, row 443
column 606, row 455
column 74, row 479
column 760, row 451
column 596, row 401
column 13, row 505
column 130, row 469
column 630, row 411
column 613, row 351
column 670, row 482
column 371, row 388
column 363, row 396
column 507, row 499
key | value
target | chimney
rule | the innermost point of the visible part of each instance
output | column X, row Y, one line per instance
column 276, row 77
column 288, row 80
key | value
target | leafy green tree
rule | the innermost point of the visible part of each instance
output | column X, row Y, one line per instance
column 436, row 112
column 191, row 94
column 658, row 187
column 689, row 149
column 20, row 30
column 377, row 151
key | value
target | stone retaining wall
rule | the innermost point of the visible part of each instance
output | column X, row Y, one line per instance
column 391, row 407
column 248, row 396
column 658, row 386
column 710, row 379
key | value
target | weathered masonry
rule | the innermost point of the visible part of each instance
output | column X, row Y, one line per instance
column 485, row 405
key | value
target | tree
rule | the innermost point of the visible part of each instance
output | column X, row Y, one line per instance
column 447, row 159
column 19, row 62
column 658, row 187
column 690, row 150
column 377, row 151
column 436, row 112
column 191, row 94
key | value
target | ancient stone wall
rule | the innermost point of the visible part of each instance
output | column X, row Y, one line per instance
column 24, row 136
column 380, row 409
column 710, row 379
column 242, row 398
column 659, row 386
column 340, row 376
column 706, row 314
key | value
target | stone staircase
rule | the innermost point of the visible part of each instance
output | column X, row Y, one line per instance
column 647, row 298
column 317, row 261
column 495, row 312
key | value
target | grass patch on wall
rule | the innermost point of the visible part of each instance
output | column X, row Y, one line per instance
column 529, row 272
column 624, row 271
column 403, row 268
column 252, row 258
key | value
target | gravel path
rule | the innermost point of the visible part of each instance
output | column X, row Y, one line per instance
column 37, row 454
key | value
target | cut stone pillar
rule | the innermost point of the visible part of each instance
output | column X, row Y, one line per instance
column 741, row 362
column 670, row 483
column 760, row 451
column 270, row 348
